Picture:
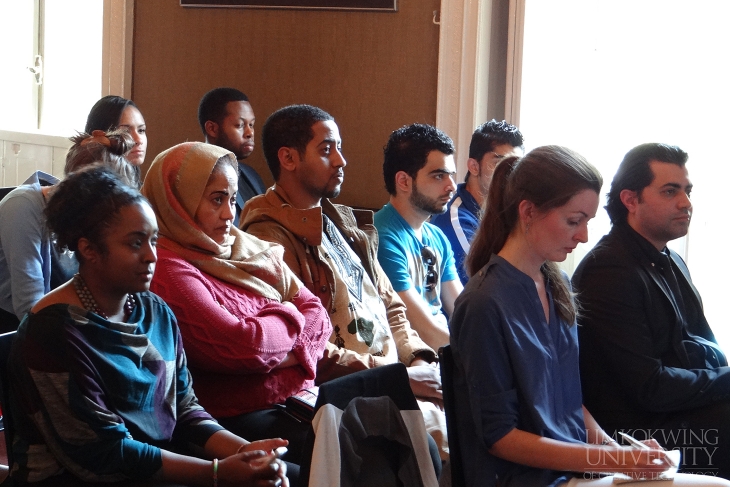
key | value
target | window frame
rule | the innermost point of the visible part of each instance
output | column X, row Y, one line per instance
column 117, row 54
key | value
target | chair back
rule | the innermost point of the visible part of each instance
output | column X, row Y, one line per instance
column 388, row 381
column 6, row 341
column 446, row 361
column 4, row 191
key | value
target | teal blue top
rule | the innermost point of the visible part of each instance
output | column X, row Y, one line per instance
column 399, row 254
column 100, row 398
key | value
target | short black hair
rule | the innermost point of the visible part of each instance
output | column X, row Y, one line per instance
column 408, row 148
column 290, row 126
column 490, row 134
column 213, row 105
column 635, row 174
column 106, row 112
column 85, row 204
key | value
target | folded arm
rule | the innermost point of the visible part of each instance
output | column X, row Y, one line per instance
column 408, row 342
column 616, row 329
column 433, row 331
column 227, row 329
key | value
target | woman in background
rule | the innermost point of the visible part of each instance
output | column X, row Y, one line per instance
column 514, row 337
column 100, row 390
column 253, row 333
column 110, row 149
column 113, row 112
column 29, row 265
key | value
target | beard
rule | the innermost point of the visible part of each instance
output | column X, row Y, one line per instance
column 318, row 191
column 425, row 203
column 332, row 193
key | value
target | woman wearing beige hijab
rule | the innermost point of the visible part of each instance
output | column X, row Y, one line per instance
column 252, row 333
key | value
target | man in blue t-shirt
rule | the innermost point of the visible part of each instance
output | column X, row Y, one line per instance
column 418, row 168
column 490, row 143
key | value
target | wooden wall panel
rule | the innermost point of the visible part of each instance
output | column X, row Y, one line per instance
column 374, row 72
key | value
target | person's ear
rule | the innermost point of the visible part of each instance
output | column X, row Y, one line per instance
column 212, row 130
column 403, row 182
column 527, row 212
column 472, row 166
column 288, row 158
column 88, row 250
column 630, row 199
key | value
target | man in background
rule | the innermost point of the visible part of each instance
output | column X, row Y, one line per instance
column 227, row 119
column 491, row 142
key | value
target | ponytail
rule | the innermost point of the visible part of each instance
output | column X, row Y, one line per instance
column 497, row 221
column 548, row 177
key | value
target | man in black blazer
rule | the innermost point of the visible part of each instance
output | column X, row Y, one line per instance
column 227, row 119
column 650, row 365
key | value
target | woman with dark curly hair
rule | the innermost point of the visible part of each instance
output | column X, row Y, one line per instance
column 100, row 390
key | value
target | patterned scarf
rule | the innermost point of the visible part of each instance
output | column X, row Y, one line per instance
column 174, row 186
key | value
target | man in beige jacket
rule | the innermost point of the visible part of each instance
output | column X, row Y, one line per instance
column 333, row 249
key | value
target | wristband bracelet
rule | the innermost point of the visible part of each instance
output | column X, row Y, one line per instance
column 608, row 440
column 215, row 472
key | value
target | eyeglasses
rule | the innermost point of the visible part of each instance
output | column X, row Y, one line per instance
column 432, row 270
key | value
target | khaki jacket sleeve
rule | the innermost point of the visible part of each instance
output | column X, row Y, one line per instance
column 338, row 362
column 273, row 232
column 335, row 362
column 407, row 341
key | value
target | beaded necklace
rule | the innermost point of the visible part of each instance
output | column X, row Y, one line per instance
column 90, row 304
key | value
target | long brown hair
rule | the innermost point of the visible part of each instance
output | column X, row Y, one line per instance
column 105, row 148
column 548, row 177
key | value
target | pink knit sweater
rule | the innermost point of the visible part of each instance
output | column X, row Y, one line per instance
column 235, row 339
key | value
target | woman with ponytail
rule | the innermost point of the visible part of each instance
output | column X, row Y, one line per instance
column 514, row 339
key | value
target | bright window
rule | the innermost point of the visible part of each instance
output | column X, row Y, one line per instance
column 66, row 39
column 603, row 76
column 18, row 46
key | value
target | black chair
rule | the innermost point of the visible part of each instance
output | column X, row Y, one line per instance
column 5, row 191
column 446, row 360
column 6, row 341
column 388, row 380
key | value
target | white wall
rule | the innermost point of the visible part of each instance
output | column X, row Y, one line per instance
column 23, row 154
